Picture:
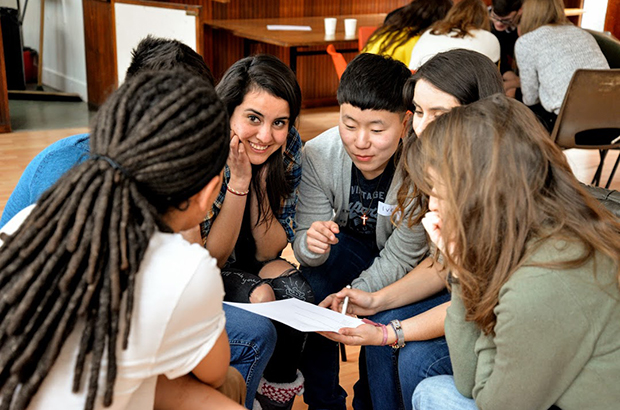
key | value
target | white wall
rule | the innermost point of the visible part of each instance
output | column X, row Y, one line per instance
column 594, row 16
column 64, row 60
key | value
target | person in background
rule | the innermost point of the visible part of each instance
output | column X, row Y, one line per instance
column 504, row 15
column 346, row 198
column 252, row 337
column 253, row 218
column 402, row 29
column 534, row 266
column 103, row 301
column 464, row 76
column 465, row 26
column 549, row 51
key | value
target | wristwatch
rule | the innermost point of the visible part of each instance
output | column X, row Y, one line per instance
column 400, row 334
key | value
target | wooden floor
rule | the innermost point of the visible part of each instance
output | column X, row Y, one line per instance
column 18, row 148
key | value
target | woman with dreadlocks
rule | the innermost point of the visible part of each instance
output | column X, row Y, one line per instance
column 253, row 218
column 97, row 288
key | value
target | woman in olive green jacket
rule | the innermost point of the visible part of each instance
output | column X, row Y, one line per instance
column 534, row 259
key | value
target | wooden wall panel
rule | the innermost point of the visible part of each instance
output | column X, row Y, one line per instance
column 291, row 9
column 100, row 54
column 315, row 73
column 318, row 79
column 612, row 19
column 5, row 119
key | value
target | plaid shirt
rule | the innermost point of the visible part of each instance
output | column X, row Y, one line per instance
column 286, row 213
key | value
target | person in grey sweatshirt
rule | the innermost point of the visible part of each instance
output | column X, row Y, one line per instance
column 347, row 232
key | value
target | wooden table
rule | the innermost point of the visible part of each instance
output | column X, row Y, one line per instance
column 255, row 30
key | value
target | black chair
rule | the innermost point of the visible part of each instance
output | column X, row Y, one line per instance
column 609, row 45
column 589, row 117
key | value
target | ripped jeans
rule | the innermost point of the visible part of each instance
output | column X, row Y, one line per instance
column 238, row 285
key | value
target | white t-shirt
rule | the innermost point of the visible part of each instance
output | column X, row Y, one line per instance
column 429, row 44
column 177, row 318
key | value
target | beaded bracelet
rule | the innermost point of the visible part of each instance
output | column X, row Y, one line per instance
column 235, row 192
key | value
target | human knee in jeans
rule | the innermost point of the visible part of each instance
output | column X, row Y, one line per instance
column 440, row 393
column 393, row 374
column 252, row 340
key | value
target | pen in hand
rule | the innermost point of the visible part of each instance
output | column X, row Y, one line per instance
column 345, row 304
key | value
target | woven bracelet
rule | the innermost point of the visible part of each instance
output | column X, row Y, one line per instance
column 385, row 335
column 235, row 192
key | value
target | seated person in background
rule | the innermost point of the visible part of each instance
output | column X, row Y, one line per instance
column 549, row 51
column 466, row 26
column 464, row 77
column 96, row 279
column 346, row 198
column 534, row 262
column 504, row 15
column 253, row 218
column 402, row 29
column 252, row 337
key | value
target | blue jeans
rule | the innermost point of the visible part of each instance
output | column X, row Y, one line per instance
column 320, row 363
column 393, row 374
column 440, row 393
column 252, row 339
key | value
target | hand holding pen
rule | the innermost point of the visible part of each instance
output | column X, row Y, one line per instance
column 345, row 304
column 351, row 301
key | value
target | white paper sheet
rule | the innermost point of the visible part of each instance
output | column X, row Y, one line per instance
column 283, row 27
column 301, row 315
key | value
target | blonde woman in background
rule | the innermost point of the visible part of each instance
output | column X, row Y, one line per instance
column 548, row 52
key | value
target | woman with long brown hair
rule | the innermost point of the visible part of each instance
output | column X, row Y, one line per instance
column 402, row 28
column 253, row 217
column 534, row 264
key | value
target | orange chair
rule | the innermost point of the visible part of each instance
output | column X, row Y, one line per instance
column 339, row 62
column 363, row 34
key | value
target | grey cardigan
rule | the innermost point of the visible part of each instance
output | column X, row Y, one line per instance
column 324, row 195
column 548, row 57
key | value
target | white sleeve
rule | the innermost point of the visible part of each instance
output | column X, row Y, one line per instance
column 195, row 324
column 15, row 222
column 418, row 53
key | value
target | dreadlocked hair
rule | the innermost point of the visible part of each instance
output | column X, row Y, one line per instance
column 156, row 142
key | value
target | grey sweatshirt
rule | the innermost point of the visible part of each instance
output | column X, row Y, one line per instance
column 548, row 57
column 324, row 195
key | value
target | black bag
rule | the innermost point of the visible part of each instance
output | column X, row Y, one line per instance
column 13, row 49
